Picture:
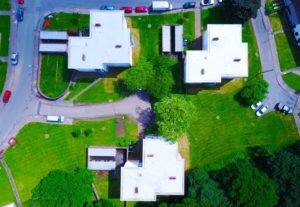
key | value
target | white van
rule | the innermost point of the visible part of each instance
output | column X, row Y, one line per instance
column 161, row 6
column 58, row 119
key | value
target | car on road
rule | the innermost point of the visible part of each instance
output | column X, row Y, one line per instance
column 256, row 106
column 6, row 96
column 107, row 7
column 14, row 58
column 207, row 2
column 284, row 108
column 189, row 5
column 141, row 9
column 20, row 14
column 262, row 110
column 127, row 9
column 20, row 1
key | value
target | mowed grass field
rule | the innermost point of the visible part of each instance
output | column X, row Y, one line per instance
column 3, row 69
column 71, row 22
column 4, row 34
column 55, row 76
column 6, row 193
column 4, row 5
column 46, row 147
column 293, row 80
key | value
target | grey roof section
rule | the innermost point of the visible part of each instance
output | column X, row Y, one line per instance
column 178, row 38
column 166, row 38
column 101, row 165
column 55, row 48
column 53, row 35
column 106, row 152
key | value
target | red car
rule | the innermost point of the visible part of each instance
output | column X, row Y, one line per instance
column 6, row 96
column 127, row 9
column 141, row 9
column 21, row 1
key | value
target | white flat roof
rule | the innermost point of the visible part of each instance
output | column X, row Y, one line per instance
column 162, row 172
column 53, row 47
column 101, row 165
column 109, row 42
column 101, row 151
column 53, row 35
column 224, row 55
column 178, row 38
column 166, row 38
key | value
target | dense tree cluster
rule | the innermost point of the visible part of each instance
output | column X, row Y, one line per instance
column 240, row 11
column 173, row 116
column 255, row 90
column 153, row 75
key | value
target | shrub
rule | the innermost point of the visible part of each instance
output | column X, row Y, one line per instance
column 76, row 133
column 87, row 132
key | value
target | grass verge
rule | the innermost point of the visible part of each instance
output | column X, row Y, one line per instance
column 72, row 21
column 55, row 76
column 4, row 5
column 6, row 192
column 4, row 35
column 45, row 147
column 78, row 86
column 3, row 70
column 293, row 80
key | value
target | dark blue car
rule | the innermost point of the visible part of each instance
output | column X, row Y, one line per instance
column 20, row 14
column 188, row 5
column 106, row 7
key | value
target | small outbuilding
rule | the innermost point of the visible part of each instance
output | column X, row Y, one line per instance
column 53, row 35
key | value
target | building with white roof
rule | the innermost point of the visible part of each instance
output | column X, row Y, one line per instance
column 160, row 173
column 224, row 56
column 101, row 158
column 109, row 43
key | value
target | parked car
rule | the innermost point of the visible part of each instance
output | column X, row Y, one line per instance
column 127, row 9
column 189, row 4
column 141, row 9
column 256, row 105
column 207, row 2
column 6, row 96
column 262, row 110
column 20, row 14
column 14, row 58
column 20, row 1
column 220, row 1
column 284, row 108
column 106, row 7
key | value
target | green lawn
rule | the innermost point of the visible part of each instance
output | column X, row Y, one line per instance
column 78, row 86
column 293, row 80
column 224, row 128
column 103, row 91
column 275, row 22
column 3, row 69
column 45, row 147
column 6, row 192
column 150, row 29
column 55, row 76
column 4, row 34
column 65, row 21
column 4, row 5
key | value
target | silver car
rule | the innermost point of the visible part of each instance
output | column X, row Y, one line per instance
column 14, row 58
column 262, row 110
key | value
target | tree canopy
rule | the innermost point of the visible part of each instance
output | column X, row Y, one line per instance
column 240, row 11
column 173, row 116
column 255, row 90
column 153, row 75
column 60, row 188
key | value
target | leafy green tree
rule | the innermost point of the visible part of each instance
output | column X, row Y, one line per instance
column 284, row 167
column 104, row 203
column 255, row 90
column 139, row 76
column 63, row 189
column 240, row 11
column 247, row 186
column 205, row 190
column 173, row 116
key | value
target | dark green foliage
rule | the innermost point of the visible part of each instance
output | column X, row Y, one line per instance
column 205, row 190
column 173, row 116
column 240, row 11
column 153, row 75
column 255, row 90
column 87, row 132
column 76, row 133
column 104, row 203
column 63, row 189
column 284, row 167
column 246, row 186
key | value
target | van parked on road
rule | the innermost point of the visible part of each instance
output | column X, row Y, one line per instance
column 159, row 6
column 58, row 119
